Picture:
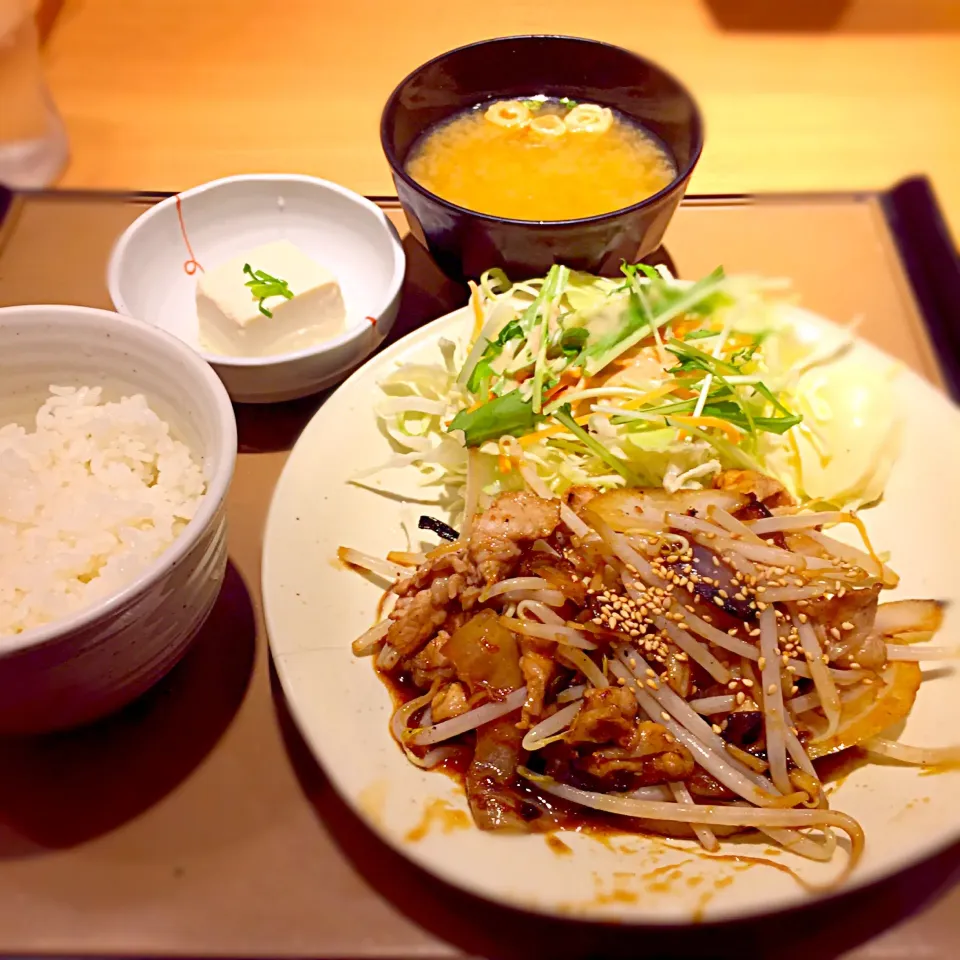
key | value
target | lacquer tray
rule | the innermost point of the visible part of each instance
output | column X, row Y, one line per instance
column 195, row 823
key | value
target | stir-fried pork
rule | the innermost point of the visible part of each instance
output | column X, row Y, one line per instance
column 538, row 669
column 449, row 702
column 651, row 755
column 514, row 520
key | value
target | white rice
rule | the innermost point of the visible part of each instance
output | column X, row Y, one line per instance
column 87, row 500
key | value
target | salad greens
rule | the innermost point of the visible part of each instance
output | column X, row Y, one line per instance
column 638, row 380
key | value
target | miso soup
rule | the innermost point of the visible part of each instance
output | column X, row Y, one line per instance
column 541, row 159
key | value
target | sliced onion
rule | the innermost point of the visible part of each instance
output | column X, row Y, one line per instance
column 467, row 721
column 388, row 657
column 909, row 616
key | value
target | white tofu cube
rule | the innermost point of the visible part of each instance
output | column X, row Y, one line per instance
column 232, row 323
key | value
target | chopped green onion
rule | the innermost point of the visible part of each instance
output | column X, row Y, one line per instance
column 262, row 285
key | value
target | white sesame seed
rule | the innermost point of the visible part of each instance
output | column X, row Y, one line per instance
column 664, row 715
column 772, row 689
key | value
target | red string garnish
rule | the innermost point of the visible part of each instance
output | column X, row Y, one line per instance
column 373, row 320
column 192, row 265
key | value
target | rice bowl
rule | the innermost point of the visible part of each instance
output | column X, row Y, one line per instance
column 94, row 658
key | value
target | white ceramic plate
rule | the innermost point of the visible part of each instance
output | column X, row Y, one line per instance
column 315, row 608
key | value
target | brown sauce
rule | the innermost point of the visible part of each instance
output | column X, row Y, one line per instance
column 557, row 845
column 440, row 814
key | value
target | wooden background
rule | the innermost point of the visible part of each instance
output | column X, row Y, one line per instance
column 816, row 95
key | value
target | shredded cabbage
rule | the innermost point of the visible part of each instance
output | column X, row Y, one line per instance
column 669, row 383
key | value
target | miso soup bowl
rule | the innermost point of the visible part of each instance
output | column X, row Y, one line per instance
column 466, row 242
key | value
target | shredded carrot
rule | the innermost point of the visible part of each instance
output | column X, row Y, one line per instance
column 568, row 379
column 682, row 327
column 729, row 429
column 475, row 406
column 505, row 465
column 550, row 431
column 654, row 394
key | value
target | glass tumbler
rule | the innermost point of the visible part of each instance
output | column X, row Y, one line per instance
column 33, row 141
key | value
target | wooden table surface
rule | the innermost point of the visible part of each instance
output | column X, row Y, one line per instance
column 822, row 95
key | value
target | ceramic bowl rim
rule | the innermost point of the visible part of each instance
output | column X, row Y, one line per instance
column 392, row 290
column 682, row 176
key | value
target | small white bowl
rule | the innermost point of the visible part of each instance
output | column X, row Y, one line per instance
column 84, row 666
column 225, row 218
